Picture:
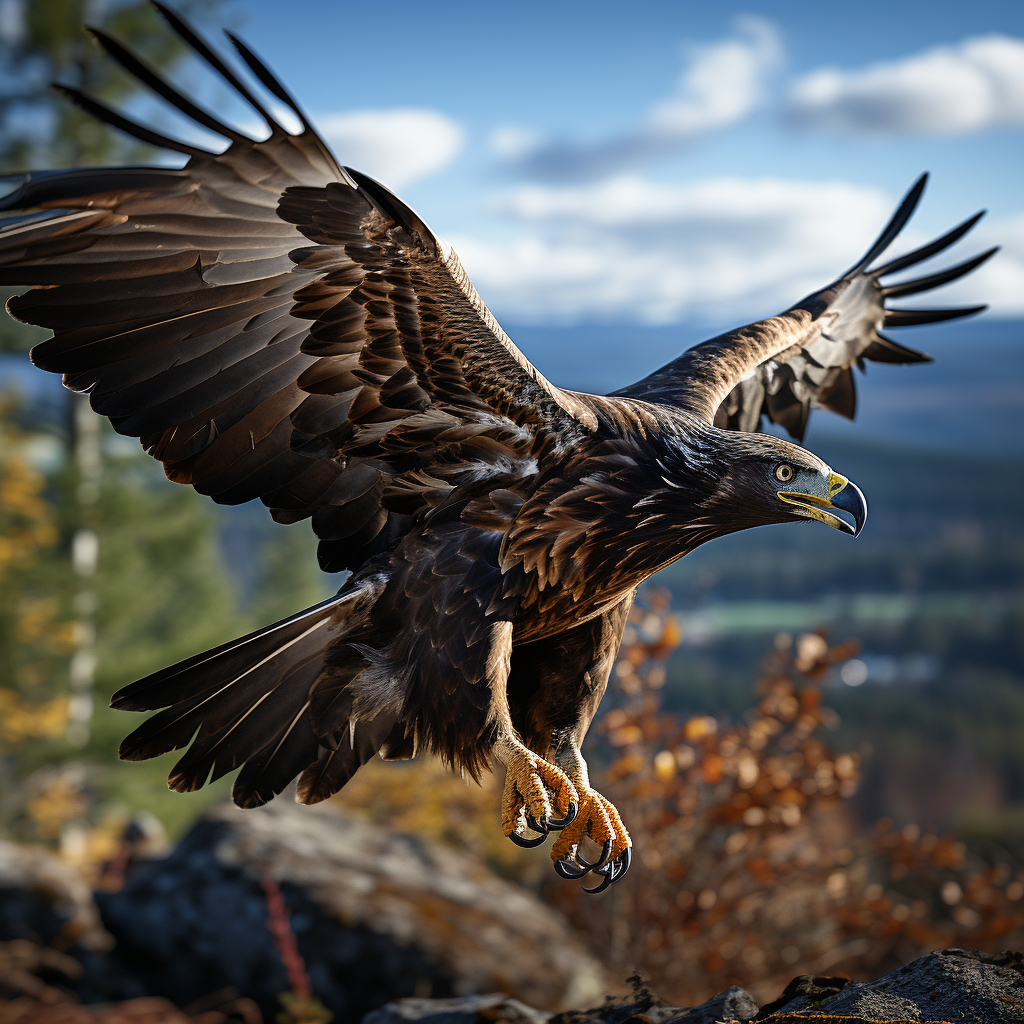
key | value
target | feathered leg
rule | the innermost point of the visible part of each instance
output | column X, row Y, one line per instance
column 538, row 795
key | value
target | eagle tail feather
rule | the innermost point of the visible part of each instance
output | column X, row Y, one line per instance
column 247, row 704
column 333, row 768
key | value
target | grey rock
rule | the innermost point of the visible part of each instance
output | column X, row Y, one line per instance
column 40, row 895
column 733, row 1006
column 642, row 1006
column 485, row 933
column 376, row 915
column 947, row 985
column 467, row 1010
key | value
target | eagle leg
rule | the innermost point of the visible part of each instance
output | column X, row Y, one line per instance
column 598, row 821
column 538, row 795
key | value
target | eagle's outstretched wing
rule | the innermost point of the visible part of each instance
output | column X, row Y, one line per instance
column 353, row 379
column 779, row 368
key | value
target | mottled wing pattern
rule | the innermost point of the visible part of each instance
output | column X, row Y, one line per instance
column 782, row 367
column 353, row 380
column 414, row 383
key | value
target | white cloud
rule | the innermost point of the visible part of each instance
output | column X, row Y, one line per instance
column 720, row 249
column 721, row 84
column 395, row 146
column 950, row 90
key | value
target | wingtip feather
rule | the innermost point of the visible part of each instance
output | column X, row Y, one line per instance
column 192, row 38
column 896, row 224
column 931, row 249
column 913, row 317
column 923, row 284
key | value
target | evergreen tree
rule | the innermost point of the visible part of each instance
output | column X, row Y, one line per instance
column 158, row 588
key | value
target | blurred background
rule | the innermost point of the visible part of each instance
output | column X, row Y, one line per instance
column 619, row 184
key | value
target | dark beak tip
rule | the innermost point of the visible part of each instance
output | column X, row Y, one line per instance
column 851, row 499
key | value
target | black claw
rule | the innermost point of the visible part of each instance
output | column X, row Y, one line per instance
column 557, row 824
column 528, row 844
column 605, row 850
column 537, row 826
column 622, row 863
column 612, row 872
column 568, row 870
column 606, row 881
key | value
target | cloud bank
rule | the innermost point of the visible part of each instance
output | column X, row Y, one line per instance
column 951, row 90
column 721, row 84
column 629, row 249
column 396, row 146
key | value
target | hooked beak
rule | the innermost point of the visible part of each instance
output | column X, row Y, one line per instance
column 842, row 495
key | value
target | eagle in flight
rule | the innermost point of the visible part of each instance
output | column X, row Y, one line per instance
column 275, row 325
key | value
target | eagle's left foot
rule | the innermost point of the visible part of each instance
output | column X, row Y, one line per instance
column 538, row 795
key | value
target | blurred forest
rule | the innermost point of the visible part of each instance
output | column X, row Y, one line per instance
column 107, row 570
column 858, row 804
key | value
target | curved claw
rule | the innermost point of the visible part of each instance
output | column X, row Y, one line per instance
column 608, row 879
column 567, row 870
column 537, row 826
column 557, row 824
column 528, row 844
column 612, row 872
column 625, row 858
column 605, row 850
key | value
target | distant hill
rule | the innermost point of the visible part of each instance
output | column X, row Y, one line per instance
column 972, row 396
column 936, row 520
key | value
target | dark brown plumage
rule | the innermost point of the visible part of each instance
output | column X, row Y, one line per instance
column 274, row 325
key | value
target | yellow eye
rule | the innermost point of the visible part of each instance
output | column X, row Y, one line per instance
column 784, row 473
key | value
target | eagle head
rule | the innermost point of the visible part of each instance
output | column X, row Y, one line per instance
column 766, row 479
column 720, row 481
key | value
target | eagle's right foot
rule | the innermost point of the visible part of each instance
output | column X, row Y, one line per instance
column 538, row 796
column 597, row 822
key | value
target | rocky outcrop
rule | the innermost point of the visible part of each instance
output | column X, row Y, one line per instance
column 483, row 933
column 41, row 896
column 945, row 986
column 376, row 915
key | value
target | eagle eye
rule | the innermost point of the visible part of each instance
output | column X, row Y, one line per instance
column 784, row 473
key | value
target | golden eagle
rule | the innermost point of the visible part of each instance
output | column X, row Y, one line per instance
column 275, row 325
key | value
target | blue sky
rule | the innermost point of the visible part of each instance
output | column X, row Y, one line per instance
column 669, row 162
column 622, row 180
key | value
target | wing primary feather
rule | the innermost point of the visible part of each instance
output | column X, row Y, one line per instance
column 136, row 131
column 266, row 76
column 884, row 350
column 895, row 225
column 196, row 41
column 923, row 284
column 147, row 76
column 910, row 317
column 925, row 251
